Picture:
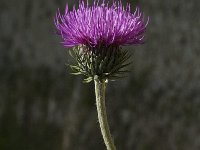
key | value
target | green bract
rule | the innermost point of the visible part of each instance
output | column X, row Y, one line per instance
column 105, row 63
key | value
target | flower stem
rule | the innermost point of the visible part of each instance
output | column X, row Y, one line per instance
column 100, row 87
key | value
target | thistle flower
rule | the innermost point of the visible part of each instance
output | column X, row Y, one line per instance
column 97, row 34
column 101, row 24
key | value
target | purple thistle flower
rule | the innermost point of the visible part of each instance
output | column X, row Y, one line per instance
column 97, row 33
column 101, row 25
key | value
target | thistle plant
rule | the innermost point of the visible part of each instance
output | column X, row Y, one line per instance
column 96, row 33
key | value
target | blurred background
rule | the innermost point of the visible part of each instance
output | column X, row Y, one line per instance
column 43, row 107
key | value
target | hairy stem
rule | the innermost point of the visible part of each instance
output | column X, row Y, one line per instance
column 100, row 87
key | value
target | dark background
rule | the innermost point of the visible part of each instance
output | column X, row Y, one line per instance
column 43, row 107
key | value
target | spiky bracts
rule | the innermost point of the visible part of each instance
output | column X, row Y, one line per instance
column 104, row 63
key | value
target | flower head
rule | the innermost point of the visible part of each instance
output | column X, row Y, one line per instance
column 101, row 24
column 97, row 33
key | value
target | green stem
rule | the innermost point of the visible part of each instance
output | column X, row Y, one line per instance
column 100, row 87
